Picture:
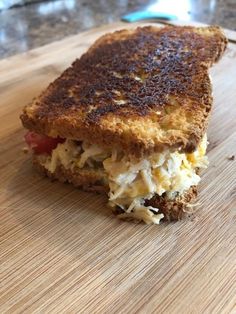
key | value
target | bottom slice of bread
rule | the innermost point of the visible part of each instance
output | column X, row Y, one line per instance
column 92, row 180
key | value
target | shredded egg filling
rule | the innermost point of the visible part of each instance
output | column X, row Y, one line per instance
column 132, row 181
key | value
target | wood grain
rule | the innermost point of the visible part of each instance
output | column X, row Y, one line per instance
column 62, row 251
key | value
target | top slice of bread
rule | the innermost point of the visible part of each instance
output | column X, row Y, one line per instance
column 141, row 90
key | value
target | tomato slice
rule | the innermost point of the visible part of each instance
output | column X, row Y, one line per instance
column 42, row 144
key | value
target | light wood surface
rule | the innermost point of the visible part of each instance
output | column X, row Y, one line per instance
column 62, row 251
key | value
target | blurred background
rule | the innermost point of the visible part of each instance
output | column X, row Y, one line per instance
column 26, row 24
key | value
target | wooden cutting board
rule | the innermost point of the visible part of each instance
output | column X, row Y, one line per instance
column 63, row 251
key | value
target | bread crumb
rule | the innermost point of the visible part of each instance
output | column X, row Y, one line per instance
column 25, row 150
column 232, row 157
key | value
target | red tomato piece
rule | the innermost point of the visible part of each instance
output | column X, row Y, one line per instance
column 42, row 144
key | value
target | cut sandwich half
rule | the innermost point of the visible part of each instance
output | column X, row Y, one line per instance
column 129, row 118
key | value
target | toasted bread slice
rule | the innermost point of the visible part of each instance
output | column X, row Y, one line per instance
column 89, row 179
column 94, row 180
column 141, row 90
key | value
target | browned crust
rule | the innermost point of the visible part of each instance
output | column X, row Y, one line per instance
column 168, row 106
column 174, row 209
column 94, row 181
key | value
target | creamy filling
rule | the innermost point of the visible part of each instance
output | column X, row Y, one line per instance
column 132, row 181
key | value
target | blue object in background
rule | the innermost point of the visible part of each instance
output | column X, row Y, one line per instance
column 147, row 15
column 162, row 10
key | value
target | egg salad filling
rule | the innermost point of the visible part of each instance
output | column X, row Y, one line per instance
column 133, row 181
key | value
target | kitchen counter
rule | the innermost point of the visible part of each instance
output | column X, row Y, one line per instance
column 33, row 25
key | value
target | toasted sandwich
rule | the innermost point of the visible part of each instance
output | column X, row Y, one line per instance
column 129, row 118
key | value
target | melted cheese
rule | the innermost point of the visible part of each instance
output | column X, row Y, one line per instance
column 66, row 154
column 133, row 181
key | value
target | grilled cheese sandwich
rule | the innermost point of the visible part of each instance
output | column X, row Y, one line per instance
column 130, row 116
